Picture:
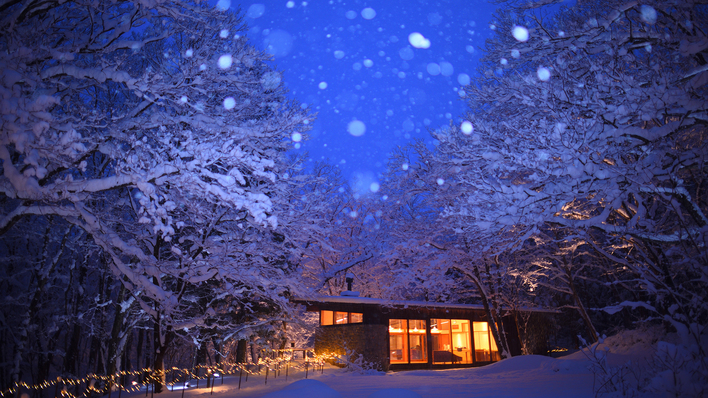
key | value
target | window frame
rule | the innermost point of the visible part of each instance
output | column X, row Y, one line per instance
column 406, row 326
column 331, row 317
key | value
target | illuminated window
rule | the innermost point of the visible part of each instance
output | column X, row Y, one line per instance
column 326, row 318
column 485, row 348
column 417, row 340
column 340, row 318
column 451, row 340
column 397, row 338
column 408, row 341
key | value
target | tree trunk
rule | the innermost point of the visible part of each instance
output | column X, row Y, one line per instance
column 241, row 351
column 522, row 338
column 114, row 344
column 581, row 308
column 501, row 344
column 162, row 340
column 254, row 353
column 72, row 358
column 201, row 359
column 218, row 347
column 139, row 350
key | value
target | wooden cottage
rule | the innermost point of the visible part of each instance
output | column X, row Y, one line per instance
column 398, row 335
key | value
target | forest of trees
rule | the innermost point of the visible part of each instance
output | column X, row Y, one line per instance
column 153, row 214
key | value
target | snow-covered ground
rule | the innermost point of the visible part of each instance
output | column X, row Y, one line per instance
column 525, row 376
column 522, row 376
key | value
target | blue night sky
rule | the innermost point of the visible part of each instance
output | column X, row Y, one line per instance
column 356, row 61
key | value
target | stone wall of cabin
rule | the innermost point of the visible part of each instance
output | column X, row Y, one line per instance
column 371, row 341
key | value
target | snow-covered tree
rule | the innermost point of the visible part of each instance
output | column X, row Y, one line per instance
column 593, row 121
column 156, row 129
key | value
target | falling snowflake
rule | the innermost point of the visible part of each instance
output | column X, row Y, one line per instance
column 223, row 5
column 520, row 33
column 417, row 40
column 225, row 61
column 368, row 13
column 229, row 103
column 543, row 74
column 648, row 14
column 357, row 128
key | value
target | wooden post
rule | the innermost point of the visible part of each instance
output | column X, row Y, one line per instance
column 240, row 375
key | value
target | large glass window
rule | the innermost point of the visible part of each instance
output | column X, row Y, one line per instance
column 440, row 332
column 397, row 331
column 461, row 343
column 451, row 340
column 356, row 317
column 485, row 348
column 417, row 339
column 326, row 318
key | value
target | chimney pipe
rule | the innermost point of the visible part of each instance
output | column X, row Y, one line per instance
column 350, row 280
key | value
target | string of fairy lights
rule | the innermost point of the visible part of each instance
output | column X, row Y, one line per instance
column 103, row 384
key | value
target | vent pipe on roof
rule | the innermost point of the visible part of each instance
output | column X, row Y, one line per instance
column 349, row 292
column 350, row 280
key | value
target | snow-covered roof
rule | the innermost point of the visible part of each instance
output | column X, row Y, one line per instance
column 399, row 303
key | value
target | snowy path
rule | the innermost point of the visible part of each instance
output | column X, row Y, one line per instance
column 526, row 376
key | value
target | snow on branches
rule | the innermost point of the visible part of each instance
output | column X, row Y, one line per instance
column 121, row 119
column 594, row 125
